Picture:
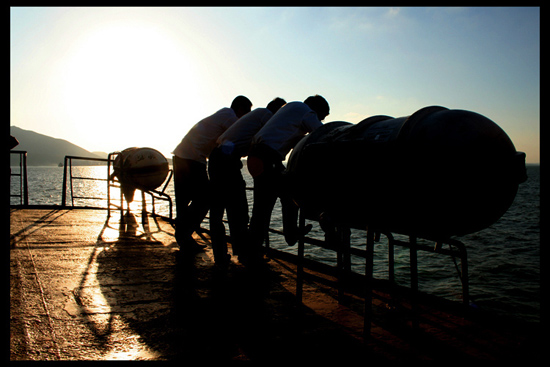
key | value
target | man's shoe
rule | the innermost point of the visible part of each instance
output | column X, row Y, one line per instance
column 293, row 237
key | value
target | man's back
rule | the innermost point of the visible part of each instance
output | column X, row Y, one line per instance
column 237, row 139
column 199, row 142
column 287, row 127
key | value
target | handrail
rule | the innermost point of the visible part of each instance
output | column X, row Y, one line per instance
column 111, row 182
column 69, row 159
column 23, row 181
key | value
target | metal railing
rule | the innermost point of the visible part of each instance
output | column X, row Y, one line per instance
column 111, row 182
column 68, row 164
column 23, row 194
column 340, row 243
column 343, row 250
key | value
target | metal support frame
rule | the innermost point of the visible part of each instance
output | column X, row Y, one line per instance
column 343, row 250
column 369, row 266
column 413, row 251
column 68, row 178
column 112, row 181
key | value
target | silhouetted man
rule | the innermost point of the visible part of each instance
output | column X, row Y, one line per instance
column 269, row 148
column 227, row 184
column 190, row 178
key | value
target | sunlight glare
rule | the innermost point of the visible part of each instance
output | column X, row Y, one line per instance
column 124, row 78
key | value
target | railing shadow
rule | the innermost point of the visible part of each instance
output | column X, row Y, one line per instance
column 45, row 220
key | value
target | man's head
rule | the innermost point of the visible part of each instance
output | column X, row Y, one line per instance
column 319, row 105
column 241, row 105
column 274, row 105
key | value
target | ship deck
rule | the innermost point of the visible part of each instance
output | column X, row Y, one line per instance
column 88, row 286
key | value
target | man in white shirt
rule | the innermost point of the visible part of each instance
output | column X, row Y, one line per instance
column 269, row 148
column 190, row 178
column 228, row 187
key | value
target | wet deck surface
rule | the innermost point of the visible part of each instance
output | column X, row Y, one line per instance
column 87, row 287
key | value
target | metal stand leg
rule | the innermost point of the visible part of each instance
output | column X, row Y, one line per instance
column 369, row 280
column 343, row 260
column 464, row 271
column 391, row 258
column 122, row 204
column 414, row 280
column 465, row 277
column 300, row 265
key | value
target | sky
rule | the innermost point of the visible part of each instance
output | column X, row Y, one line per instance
column 108, row 78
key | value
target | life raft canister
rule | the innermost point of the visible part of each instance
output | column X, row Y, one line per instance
column 141, row 168
column 435, row 174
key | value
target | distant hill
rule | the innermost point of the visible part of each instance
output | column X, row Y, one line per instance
column 43, row 150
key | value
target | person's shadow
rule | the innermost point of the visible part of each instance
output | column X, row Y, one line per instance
column 126, row 292
column 143, row 300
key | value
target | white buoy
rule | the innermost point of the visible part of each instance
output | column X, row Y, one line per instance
column 141, row 168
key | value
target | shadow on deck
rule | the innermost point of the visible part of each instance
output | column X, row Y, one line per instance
column 85, row 286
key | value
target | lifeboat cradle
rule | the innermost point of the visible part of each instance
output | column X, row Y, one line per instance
column 338, row 239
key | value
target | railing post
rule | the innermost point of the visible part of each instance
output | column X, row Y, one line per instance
column 23, row 180
column 109, row 185
column 25, row 185
column 414, row 280
column 369, row 259
column 300, row 265
column 71, row 179
column 465, row 277
column 343, row 257
column 64, row 190
column 391, row 259
column 464, row 270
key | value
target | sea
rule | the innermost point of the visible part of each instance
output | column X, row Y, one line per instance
column 504, row 260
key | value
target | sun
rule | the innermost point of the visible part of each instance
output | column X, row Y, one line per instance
column 120, row 82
